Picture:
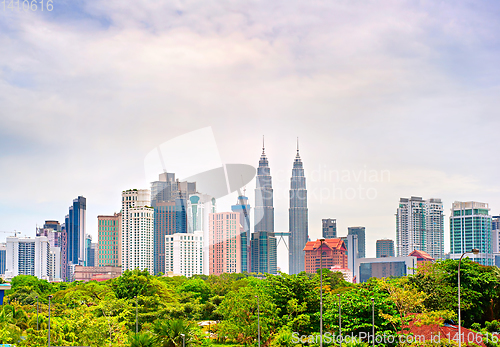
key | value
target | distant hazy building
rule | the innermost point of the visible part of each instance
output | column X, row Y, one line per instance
column 346, row 273
column 360, row 232
column 329, row 228
column 90, row 251
column 325, row 254
column 385, row 267
column 352, row 252
column 264, row 253
column 385, row 248
column 470, row 227
column 57, row 237
column 109, row 240
column 27, row 256
column 297, row 217
column 137, row 230
column 420, row 226
column 243, row 209
column 225, row 243
column 184, row 253
column 76, row 229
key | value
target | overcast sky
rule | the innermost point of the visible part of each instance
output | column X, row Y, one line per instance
column 389, row 98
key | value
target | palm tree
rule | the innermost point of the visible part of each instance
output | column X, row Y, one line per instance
column 169, row 332
column 142, row 340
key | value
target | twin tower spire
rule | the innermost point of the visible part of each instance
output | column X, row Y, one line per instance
column 298, row 215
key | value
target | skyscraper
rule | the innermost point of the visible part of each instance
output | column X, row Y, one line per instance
column 470, row 228
column 243, row 209
column 264, row 208
column 264, row 256
column 329, row 228
column 263, row 243
column 76, row 229
column 297, row 217
column 360, row 231
column 495, row 234
column 169, row 200
column 420, row 226
column 385, row 248
column 109, row 238
column 225, row 242
column 137, row 230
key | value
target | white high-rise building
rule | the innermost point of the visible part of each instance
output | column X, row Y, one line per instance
column 184, row 253
column 199, row 207
column 55, row 263
column 137, row 230
column 420, row 226
column 28, row 256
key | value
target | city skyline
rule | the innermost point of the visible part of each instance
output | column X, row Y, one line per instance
column 398, row 74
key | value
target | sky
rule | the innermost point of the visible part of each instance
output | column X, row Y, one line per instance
column 389, row 99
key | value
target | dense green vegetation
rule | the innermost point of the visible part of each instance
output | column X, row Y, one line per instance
column 170, row 309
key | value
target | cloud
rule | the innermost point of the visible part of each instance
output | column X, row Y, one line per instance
column 87, row 90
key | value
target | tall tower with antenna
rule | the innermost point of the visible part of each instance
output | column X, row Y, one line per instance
column 298, row 217
column 263, row 243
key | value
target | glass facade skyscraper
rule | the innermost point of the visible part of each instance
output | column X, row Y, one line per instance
column 297, row 218
column 243, row 208
column 264, row 253
column 360, row 231
column 76, row 227
column 385, row 248
column 470, row 227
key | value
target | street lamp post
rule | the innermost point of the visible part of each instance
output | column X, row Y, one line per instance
column 183, row 340
column 258, row 319
column 136, row 314
column 50, row 297
column 340, row 321
column 373, row 321
column 321, row 293
column 474, row 251
column 37, row 313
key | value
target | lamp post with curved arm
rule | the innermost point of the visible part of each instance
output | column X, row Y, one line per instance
column 474, row 251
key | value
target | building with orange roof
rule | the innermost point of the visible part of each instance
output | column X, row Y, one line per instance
column 333, row 250
column 422, row 257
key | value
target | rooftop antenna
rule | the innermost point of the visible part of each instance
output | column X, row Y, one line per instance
column 297, row 144
column 263, row 147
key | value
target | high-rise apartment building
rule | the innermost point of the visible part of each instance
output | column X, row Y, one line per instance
column 109, row 240
column 297, row 217
column 420, row 226
column 470, row 228
column 184, row 253
column 360, row 232
column 324, row 254
column 385, row 248
column 137, row 230
column 225, row 242
column 242, row 207
column 76, row 229
column 329, row 227
column 28, row 256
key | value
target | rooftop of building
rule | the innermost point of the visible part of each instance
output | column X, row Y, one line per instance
column 421, row 255
column 334, row 244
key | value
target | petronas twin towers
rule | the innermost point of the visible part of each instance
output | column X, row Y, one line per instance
column 264, row 258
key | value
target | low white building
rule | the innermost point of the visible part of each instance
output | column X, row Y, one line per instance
column 184, row 253
column 28, row 256
column 346, row 273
